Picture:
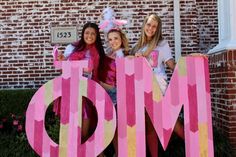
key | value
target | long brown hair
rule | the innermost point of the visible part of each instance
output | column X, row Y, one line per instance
column 81, row 45
column 143, row 38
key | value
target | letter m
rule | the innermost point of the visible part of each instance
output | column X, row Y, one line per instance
column 138, row 89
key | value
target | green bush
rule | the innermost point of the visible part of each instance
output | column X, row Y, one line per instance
column 52, row 124
column 14, row 101
column 13, row 140
column 15, row 145
column 222, row 147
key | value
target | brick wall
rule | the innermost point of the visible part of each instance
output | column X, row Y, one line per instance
column 25, row 48
column 223, row 92
column 207, row 25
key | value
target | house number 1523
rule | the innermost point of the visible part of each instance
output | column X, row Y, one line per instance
column 63, row 34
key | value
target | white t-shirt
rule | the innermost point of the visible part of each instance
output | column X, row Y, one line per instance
column 164, row 54
column 119, row 53
column 116, row 54
column 69, row 49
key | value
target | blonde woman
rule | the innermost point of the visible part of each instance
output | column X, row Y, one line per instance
column 156, row 50
column 118, row 43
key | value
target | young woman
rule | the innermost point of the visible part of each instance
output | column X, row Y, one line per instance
column 156, row 50
column 118, row 43
column 90, row 48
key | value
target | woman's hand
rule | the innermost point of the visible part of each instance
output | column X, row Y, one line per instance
column 171, row 64
column 129, row 56
column 138, row 54
column 61, row 57
column 198, row 55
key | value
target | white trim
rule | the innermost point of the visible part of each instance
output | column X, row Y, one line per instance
column 226, row 25
column 225, row 45
column 177, row 30
column 232, row 21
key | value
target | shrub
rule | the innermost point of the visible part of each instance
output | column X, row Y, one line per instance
column 15, row 145
column 13, row 140
column 14, row 101
column 222, row 147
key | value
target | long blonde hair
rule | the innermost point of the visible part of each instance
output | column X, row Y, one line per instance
column 143, row 38
column 124, row 39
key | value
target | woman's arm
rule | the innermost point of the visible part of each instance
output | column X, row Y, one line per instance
column 106, row 86
column 171, row 63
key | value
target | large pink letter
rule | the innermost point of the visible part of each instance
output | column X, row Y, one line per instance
column 189, row 87
column 71, row 86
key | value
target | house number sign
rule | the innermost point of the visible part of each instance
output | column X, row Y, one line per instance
column 63, row 35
